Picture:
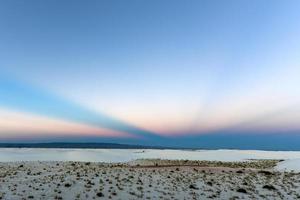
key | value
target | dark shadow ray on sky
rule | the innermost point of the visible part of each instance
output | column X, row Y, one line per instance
column 247, row 123
column 265, row 116
column 277, row 140
column 68, row 138
column 24, row 97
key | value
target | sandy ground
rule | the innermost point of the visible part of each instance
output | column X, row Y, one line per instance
column 147, row 179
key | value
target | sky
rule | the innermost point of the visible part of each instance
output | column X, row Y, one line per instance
column 198, row 73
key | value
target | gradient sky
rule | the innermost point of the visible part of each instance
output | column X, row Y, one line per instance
column 205, row 73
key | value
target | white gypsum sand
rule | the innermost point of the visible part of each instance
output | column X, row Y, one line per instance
column 292, row 158
column 147, row 179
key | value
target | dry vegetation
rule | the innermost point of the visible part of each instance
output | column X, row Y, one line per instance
column 147, row 179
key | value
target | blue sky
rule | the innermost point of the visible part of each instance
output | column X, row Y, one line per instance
column 169, row 70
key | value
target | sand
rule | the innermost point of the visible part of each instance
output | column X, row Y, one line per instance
column 147, row 179
column 291, row 163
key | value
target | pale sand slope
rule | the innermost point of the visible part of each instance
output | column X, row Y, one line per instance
column 124, row 155
column 147, row 179
column 289, row 165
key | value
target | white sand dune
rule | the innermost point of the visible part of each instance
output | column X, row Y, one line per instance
column 289, row 165
column 292, row 158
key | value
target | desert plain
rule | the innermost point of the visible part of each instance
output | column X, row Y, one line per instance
column 148, row 179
